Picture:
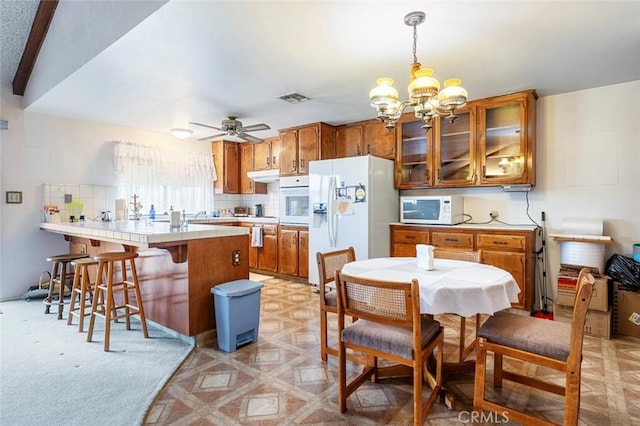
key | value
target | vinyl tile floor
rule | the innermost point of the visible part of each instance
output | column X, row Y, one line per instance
column 281, row 380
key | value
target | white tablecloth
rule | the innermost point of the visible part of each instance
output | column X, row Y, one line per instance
column 454, row 286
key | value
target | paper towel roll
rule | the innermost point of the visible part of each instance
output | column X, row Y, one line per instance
column 121, row 209
column 581, row 226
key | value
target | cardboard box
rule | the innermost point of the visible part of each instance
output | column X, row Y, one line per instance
column 599, row 298
column 597, row 324
column 625, row 304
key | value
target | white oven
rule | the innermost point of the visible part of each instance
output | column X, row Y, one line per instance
column 294, row 200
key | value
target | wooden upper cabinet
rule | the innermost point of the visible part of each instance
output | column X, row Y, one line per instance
column 506, row 139
column 226, row 158
column 300, row 145
column 414, row 154
column 288, row 153
column 378, row 140
column 365, row 137
column 349, row 139
column 491, row 143
column 266, row 155
column 248, row 186
column 455, row 150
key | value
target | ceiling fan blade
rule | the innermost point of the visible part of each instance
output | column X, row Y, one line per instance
column 211, row 137
column 205, row 125
column 254, row 128
column 250, row 138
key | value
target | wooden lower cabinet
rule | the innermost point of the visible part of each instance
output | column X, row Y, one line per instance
column 294, row 250
column 264, row 258
column 513, row 250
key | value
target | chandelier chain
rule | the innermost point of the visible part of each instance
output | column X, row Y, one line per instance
column 415, row 43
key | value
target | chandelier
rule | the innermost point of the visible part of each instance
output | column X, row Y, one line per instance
column 425, row 96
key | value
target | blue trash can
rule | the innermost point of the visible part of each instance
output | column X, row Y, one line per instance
column 237, row 305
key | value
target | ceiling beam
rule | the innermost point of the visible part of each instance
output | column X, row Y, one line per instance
column 41, row 22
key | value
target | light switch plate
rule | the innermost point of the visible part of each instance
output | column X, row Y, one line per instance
column 14, row 197
column 68, row 198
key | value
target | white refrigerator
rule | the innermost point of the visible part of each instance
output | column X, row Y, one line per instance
column 352, row 201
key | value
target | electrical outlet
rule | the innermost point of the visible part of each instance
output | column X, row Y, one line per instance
column 493, row 214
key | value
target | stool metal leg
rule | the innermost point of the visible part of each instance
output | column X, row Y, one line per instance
column 49, row 300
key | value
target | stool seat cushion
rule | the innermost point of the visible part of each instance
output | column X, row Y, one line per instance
column 536, row 335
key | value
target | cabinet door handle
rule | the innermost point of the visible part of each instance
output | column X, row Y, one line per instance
column 293, row 167
column 273, row 162
column 500, row 243
column 358, row 150
column 250, row 186
column 410, row 237
column 368, row 149
column 268, row 163
column 452, row 240
column 302, row 164
column 484, row 172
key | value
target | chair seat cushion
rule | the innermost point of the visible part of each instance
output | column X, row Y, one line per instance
column 331, row 298
column 387, row 338
column 531, row 334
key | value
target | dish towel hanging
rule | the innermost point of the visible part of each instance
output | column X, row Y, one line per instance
column 256, row 236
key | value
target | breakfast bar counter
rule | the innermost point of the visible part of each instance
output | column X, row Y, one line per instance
column 176, row 267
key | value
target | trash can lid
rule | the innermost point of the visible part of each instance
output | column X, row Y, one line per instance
column 237, row 288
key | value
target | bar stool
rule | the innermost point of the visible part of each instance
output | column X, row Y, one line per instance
column 82, row 287
column 59, row 275
column 105, row 292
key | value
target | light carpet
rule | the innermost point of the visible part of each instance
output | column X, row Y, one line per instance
column 50, row 374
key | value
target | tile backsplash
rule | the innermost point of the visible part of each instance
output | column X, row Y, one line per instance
column 96, row 198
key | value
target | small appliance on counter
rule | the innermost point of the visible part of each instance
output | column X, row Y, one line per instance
column 258, row 210
column 241, row 211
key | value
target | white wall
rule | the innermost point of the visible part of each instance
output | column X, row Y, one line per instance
column 592, row 133
column 39, row 149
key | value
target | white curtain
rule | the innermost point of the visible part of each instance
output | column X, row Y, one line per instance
column 164, row 178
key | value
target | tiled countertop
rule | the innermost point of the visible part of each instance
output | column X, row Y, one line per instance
column 137, row 233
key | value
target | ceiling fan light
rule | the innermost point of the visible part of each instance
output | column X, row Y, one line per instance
column 181, row 133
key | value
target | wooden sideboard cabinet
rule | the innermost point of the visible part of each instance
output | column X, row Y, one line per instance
column 511, row 249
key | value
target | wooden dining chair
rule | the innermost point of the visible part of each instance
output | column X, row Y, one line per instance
column 328, row 264
column 389, row 326
column 470, row 256
column 538, row 341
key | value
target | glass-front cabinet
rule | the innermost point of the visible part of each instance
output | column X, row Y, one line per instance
column 506, row 139
column 414, row 154
column 455, row 151
column 491, row 143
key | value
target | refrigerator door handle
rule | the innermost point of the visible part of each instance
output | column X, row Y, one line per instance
column 330, row 214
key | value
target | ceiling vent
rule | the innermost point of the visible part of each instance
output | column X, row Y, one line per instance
column 294, row 98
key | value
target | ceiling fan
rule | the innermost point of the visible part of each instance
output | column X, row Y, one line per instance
column 233, row 127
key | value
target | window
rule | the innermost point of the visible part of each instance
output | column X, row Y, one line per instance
column 164, row 178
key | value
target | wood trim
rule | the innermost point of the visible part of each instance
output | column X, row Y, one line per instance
column 39, row 29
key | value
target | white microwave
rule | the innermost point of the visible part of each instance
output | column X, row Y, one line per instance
column 432, row 209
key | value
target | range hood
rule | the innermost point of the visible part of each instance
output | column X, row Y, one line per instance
column 264, row 175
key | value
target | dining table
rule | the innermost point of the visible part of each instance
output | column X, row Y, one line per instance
column 452, row 287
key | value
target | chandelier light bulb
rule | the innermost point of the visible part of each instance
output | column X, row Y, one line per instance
column 425, row 96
